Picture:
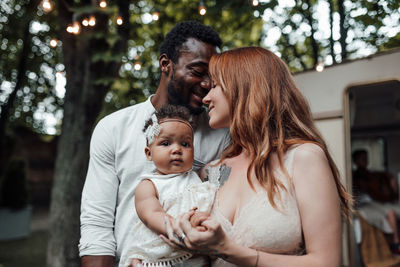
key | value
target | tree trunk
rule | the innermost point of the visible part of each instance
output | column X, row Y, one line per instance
column 83, row 101
column 314, row 45
column 343, row 29
column 331, row 41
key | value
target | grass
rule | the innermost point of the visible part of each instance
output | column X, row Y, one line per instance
column 30, row 251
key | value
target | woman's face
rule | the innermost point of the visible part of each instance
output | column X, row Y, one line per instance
column 218, row 107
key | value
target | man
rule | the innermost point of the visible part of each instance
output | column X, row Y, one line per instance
column 117, row 155
column 376, row 197
column 380, row 186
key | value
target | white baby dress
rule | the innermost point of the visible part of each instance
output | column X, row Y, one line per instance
column 178, row 193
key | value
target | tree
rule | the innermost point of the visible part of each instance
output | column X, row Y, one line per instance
column 92, row 60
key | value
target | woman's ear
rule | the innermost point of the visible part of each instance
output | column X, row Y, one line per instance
column 148, row 153
column 165, row 64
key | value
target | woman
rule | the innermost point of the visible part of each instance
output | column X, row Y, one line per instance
column 280, row 199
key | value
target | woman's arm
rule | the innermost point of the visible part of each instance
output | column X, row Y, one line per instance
column 148, row 207
column 319, row 209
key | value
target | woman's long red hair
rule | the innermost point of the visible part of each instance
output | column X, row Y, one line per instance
column 268, row 115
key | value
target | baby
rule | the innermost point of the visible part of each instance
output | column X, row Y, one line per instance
column 174, row 188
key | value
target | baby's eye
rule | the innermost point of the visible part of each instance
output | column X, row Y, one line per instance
column 185, row 144
column 165, row 143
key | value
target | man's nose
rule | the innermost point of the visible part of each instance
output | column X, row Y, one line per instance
column 206, row 83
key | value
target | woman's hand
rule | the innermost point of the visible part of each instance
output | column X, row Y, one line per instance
column 136, row 263
column 210, row 239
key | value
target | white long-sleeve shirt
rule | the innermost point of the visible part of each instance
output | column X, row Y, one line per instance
column 117, row 160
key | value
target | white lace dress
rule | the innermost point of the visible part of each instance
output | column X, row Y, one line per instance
column 178, row 193
column 258, row 224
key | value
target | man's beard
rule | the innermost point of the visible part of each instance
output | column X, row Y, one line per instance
column 175, row 98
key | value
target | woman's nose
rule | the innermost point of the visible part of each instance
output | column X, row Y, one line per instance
column 206, row 99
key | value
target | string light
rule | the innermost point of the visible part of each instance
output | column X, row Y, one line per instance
column 120, row 20
column 103, row 4
column 255, row 2
column 85, row 22
column 47, row 6
column 92, row 21
column 320, row 66
column 53, row 42
column 156, row 15
column 202, row 8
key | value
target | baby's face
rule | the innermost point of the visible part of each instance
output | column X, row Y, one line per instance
column 172, row 150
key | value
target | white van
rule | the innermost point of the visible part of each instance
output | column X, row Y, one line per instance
column 356, row 104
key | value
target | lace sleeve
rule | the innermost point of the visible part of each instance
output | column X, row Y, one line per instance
column 213, row 173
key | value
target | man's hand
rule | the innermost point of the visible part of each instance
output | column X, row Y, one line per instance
column 98, row 261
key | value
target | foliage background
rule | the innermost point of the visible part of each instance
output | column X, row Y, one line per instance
column 39, row 105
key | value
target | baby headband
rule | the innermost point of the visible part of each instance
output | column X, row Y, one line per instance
column 154, row 129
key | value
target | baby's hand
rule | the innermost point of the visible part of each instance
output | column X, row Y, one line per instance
column 197, row 219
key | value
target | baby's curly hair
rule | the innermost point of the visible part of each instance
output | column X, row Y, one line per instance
column 184, row 30
column 171, row 111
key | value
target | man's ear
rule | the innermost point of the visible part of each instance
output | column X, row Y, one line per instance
column 165, row 64
column 148, row 153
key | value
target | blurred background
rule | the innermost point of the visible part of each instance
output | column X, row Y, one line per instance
column 65, row 64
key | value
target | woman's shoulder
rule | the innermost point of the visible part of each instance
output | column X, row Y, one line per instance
column 310, row 163
column 308, row 151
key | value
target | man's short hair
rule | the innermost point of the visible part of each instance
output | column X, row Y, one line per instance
column 182, row 32
column 357, row 153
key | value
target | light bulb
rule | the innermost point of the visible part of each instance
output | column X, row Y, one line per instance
column 85, row 22
column 202, row 11
column 202, row 8
column 47, row 6
column 156, row 16
column 320, row 66
column 70, row 28
column 103, row 4
column 120, row 20
column 255, row 2
column 137, row 66
column 53, row 42
column 92, row 21
column 77, row 28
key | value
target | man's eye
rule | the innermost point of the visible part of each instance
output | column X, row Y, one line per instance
column 165, row 143
column 198, row 73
